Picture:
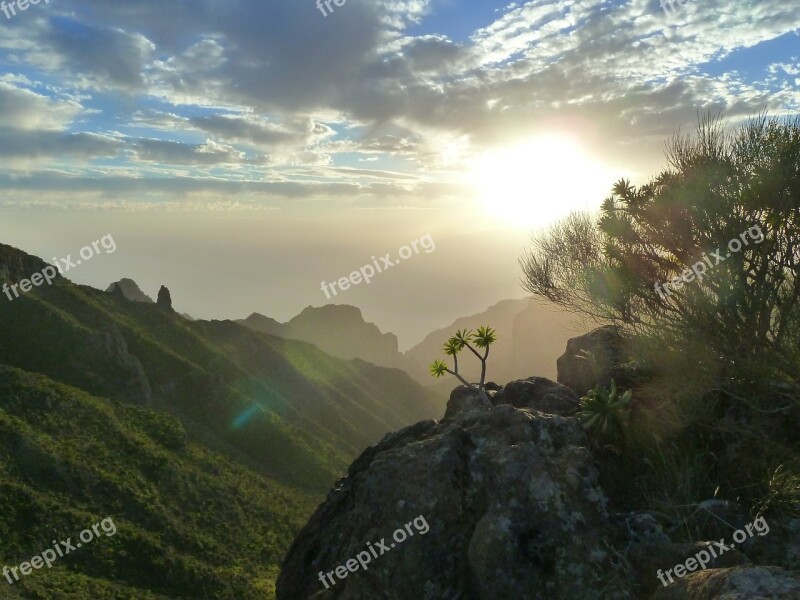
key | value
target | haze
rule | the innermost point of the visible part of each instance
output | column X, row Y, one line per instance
column 241, row 153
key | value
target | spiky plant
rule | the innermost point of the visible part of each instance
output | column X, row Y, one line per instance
column 605, row 413
column 783, row 492
column 482, row 339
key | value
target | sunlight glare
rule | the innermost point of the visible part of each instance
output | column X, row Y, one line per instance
column 538, row 182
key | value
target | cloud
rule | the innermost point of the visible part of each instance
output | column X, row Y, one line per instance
column 24, row 109
column 46, row 189
column 176, row 153
column 55, row 145
column 107, row 56
column 273, row 89
column 262, row 132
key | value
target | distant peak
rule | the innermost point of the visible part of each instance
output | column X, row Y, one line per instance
column 129, row 290
column 164, row 298
column 15, row 264
column 340, row 309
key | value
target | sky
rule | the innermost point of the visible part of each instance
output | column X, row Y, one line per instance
column 242, row 152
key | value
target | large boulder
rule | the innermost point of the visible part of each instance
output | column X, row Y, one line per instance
column 511, row 503
column 503, row 501
column 648, row 559
column 464, row 398
column 540, row 394
column 590, row 359
column 537, row 393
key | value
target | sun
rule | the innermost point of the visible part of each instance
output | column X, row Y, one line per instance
column 540, row 181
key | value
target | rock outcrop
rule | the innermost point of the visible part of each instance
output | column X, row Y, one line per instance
column 511, row 497
column 339, row 330
column 16, row 265
column 513, row 508
column 541, row 394
column 131, row 379
column 590, row 359
column 735, row 583
column 164, row 298
column 129, row 290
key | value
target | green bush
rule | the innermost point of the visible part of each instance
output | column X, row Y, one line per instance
column 604, row 413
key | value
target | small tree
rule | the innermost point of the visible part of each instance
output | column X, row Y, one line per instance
column 464, row 338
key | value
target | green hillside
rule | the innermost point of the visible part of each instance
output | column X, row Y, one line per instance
column 190, row 522
column 283, row 407
column 207, row 443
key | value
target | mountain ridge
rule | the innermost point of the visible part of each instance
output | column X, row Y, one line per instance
column 277, row 412
column 130, row 290
column 337, row 329
column 521, row 324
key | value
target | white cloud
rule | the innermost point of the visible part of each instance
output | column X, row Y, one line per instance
column 239, row 89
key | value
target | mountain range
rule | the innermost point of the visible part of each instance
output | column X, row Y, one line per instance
column 531, row 337
column 339, row 330
column 186, row 433
column 209, row 443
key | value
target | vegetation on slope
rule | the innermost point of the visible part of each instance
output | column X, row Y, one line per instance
column 208, row 444
column 191, row 523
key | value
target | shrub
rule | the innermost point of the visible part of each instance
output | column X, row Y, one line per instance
column 605, row 414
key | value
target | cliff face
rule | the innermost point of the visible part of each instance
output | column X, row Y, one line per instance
column 504, row 502
column 340, row 330
column 129, row 290
column 337, row 329
column 510, row 495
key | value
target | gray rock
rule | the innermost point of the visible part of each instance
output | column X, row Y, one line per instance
column 582, row 374
column 129, row 289
column 539, row 394
column 511, row 498
column 462, row 399
column 644, row 527
column 647, row 558
column 132, row 381
column 736, row 583
column 164, row 299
